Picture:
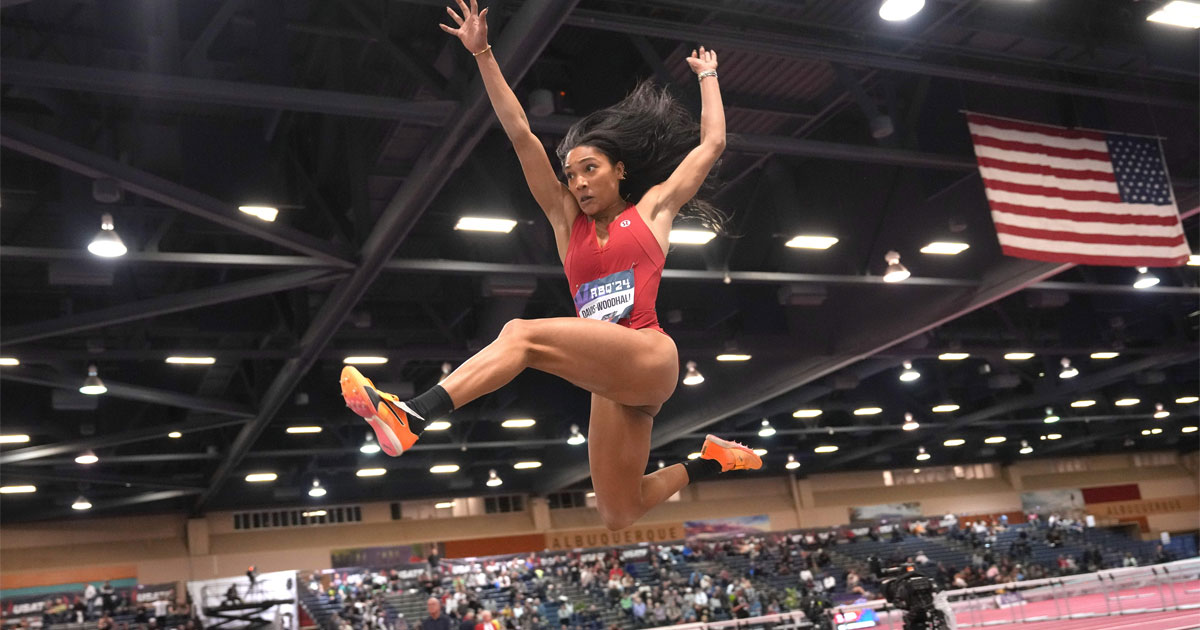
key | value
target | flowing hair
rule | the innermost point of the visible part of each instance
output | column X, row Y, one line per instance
column 651, row 133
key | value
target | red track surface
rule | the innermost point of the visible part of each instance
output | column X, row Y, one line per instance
column 1129, row 602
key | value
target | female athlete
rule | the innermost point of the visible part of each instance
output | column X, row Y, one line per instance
column 613, row 251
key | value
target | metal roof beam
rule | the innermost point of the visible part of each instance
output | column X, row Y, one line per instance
column 522, row 40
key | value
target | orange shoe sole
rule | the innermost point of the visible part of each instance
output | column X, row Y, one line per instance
column 734, row 456
column 391, row 428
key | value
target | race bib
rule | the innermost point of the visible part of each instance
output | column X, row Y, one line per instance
column 607, row 299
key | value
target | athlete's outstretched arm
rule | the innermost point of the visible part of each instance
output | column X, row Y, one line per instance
column 682, row 185
column 555, row 200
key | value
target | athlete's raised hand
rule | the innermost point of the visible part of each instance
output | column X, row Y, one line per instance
column 703, row 61
column 472, row 26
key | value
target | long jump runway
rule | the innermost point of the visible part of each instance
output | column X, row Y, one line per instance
column 1124, row 609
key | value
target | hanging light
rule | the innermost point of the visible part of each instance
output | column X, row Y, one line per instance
column 1025, row 448
column 87, row 458
column 909, row 423
column 909, row 374
column 92, row 385
column 446, row 369
column 107, row 243
column 692, row 376
column 1050, row 417
column 661, row 464
column 1068, row 371
column 370, row 446
column 493, row 479
column 316, row 490
column 895, row 271
column 1159, row 412
column 791, row 464
column 921, row 454
column 767, row 430
column 81, row 503
column 576, row 437
column 900, row 10
column 1145, row 279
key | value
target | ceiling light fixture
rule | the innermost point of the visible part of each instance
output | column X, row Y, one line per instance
column 1186, row 400
column 760, row 451
column 733, row 357
column 191, row 360
column 692, row 376
column 1188, row 430
column 909, row 423
column 1025, row 448
column 825, row 448
column 1105, row 355
column 1159, row 412
column 370, row 446
column 909, row 374
column 1177, row 13
column 316, row 490
column 371, row 472
column 527, row 465
column 690, row 237
column 1053, row 436
column 1050, row 418
column 443, row 469
column 483, row 224
column 446, row 369
column 266, row 213
column 261, row 477
column 868, row 411
column 17, row 489
column 806, row 413
column 1193, row 260
column 443, row 505
column 693, row 455
column 9, row 362
column 1068, row 371
column 364, row 360
column 107, row 243
column 900, row 10
column 767, row 430
column 921, row 454
column 300, row 430
column 81, row 503
column 791, row 464
column 437, row 425
column 493, row 479
column 995, row 439
column 576, row 438
column 313, row 513
column 14, row 439
column 1145, row 279
column 1127, row 402
column 92, row 385
column 944, row 248
column 895, row 272
column 518, row 423
column 806, row 241
column 945, row 408
column 175, row 435
column 87, row 458
column 1083, row 403
column 1018, row 356
column 954, row 442
column 953, row 356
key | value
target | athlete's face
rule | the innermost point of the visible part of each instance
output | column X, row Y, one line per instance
column 593, row 179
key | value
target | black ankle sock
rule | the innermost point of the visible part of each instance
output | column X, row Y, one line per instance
column 701, row 469
column 431, row 405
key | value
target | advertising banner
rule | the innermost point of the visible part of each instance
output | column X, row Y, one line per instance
column 30, row 603
column 885, row 511
column 1068, row 501
column 714, row 527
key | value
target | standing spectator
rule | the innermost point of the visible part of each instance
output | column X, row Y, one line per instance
column 436, row 620
column 108, row 598
column 89, row 598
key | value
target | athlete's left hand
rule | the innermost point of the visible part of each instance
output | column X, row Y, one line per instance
column 703, row 60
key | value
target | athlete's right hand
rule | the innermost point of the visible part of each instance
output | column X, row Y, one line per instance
column 472, row 26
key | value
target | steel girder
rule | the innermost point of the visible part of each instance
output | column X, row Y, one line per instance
column 523, row 39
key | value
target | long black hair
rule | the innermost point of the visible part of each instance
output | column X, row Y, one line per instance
column 651, row 133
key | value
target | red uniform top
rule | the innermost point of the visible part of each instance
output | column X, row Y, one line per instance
column 619, row 281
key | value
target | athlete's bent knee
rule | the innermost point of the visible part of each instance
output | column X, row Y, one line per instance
column 516, row 333
column 614, row 518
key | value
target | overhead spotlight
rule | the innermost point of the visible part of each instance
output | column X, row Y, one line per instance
column 1177, row 13
column 868, row 411
column 92, row 385
column 760, row 451
column 107, row 242
column 1159, row 412
column 576, row 437
column 482, row 224
column 527, row 465
column 1127, row 402
column 266, row 213
column 909, row 374
column 791, row 464
column 954, row 442
column 1050, row 418
column 767, row 430
column 909, row 423
column 1145, row 279
column 518, row 423
column 175, row 435
column 18, row 438
column 896, row 272
column 9, row 361
column 804, row 241
column 1068, row 371
column 693, row 455
column 661, row 464
column 1186, row 400
column 493, row 479
column 1025, row 448
column 921, row 454
column 261, row 477
column 900, row 10
column 1188, row 430
column 370, row 446
column 17, row 489
column 692, row 376
column 995, row 439
column 371, row 472
column 729, row 356
column 825, row 448
column 303, row 430
column 1053, row 436
column 87, row 458
column 442, row 505
column 945, row 408
column 81, row 503
column 438, row 425
column 944, row 248
column 690, row 237
column 316, row 490
column 364, row 360
column 806, row 413
column 446, row 369
column 1155, row 431
column 953, row 356
column 1083, row 403
column 1105, row 355
column 443, row 469
column 191, row 360
column 1018, row 356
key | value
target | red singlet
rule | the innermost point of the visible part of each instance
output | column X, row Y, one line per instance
column 619, row 281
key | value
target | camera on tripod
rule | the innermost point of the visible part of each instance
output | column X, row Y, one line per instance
column 914, row 594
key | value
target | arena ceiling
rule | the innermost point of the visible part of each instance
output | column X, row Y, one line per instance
column 367, row 127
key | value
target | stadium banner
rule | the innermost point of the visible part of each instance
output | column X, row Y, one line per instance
column 885, row 512
column 732, row 526
column 495, row 546
column 1067, row 501
column 150, row 593
column 584, row 538
column 379, row 557
column 1107, row 494
column 18, row 603
column 1145, row 507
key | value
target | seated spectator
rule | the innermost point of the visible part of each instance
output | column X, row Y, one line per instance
column 922, row 558
column 1129, row 560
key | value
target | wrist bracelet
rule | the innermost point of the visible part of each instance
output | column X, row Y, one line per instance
column 706, row 73
column 489, row 47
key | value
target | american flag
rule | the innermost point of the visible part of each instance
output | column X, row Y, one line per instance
column 1078, row 196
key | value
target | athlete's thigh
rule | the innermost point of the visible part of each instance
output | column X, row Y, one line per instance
column 618, row 448
column 632, row 367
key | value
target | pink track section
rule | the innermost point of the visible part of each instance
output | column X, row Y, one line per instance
column 1129, row 601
